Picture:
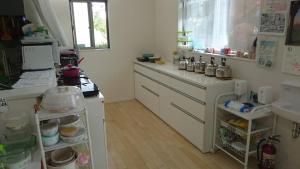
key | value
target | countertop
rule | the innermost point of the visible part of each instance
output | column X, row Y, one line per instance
column 191, row 77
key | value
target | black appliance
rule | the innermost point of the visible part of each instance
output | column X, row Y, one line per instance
column 12, row 8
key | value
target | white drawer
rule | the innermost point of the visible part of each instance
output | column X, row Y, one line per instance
column 148, row 72
column 150, row 84
column 190, row 128
column 146, row 92
column 192, row 107
column 184, row 87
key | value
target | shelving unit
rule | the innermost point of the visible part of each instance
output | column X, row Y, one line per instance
column 260, row 123
column 45, row 115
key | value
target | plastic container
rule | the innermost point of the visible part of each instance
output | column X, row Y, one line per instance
column 15, row 121
column 13, row 135
column 62, row 99
column 77, row 138
column 49, row 129
column 26, row 143
column 18, row 160
column 50, row 141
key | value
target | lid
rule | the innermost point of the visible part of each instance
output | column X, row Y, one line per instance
column 49, row 126
column 62, row 91
column 68, row 120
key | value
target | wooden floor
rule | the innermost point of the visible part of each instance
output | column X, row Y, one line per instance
column 137, row 139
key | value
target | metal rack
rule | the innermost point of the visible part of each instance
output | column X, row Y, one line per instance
column 261, row 115
column 45, row 115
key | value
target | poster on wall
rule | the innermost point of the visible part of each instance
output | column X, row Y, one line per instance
column 273, row 17
column 266, row 51
column 291, row 61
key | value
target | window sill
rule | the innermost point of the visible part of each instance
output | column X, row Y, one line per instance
column 225, row 56
column 94, row 49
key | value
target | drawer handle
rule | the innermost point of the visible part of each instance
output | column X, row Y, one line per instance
column 149, row 90
column 187, row 113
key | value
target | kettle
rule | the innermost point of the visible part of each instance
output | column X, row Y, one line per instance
column 223, row 71
column 182, row 63
column 211, row 68
column 190, row 67
column 200, row 66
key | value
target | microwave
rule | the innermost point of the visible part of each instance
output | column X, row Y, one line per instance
column 40, row 54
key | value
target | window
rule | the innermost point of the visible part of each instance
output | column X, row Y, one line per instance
column 90, row 24
column 220, row 23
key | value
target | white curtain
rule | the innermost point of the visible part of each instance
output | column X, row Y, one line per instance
column 42, row 13
column 220, row 23
column 207, row 19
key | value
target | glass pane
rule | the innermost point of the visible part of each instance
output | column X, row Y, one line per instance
column 100, row 25
column 81, row 18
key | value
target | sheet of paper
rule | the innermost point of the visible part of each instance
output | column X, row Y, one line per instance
column 291, row 62
column 273, row 17
column 3, row 105
column 266, row 50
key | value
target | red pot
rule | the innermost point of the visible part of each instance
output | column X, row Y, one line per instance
column 71, row 71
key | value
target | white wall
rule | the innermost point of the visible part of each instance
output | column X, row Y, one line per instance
column 166, row 27
column 131, row 24
column 289, row 148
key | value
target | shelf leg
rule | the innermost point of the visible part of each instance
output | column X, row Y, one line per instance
column 37, row 121
column 248, row 144
column 89, row 136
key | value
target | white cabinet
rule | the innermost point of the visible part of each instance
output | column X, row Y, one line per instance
column 190, row 127
column 185, row 105
column 181, row 114
column 146, row 91
column 96, row 117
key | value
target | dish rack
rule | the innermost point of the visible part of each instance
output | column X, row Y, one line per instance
column 84, row 143
column 239, row 142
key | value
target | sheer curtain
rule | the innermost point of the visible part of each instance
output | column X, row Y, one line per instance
column 42, row 13
column 220, row 23
column 208, row 21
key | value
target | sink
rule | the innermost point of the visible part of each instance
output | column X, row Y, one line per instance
column 288, row 104
column 286, row 111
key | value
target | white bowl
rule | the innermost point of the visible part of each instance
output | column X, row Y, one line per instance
column 62, row 156
column 78, row 137
column 71, row 165
column 50, row 141
column 49, row 129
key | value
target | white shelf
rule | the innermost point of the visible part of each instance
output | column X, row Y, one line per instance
column 262, row 130
column 254, row 114
column 62, row 144
column 233, row 156
column 232, row 57
column 222, row 114
column 242, row 132
column 46, row 115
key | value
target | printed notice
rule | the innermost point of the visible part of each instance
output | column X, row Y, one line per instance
column 3, row 105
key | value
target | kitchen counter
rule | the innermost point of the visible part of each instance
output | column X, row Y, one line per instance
column 27, row 89
column 190, row 77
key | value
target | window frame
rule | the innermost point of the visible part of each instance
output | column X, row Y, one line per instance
column 91, row 24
